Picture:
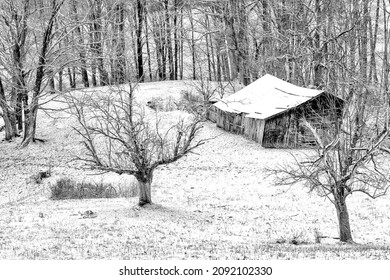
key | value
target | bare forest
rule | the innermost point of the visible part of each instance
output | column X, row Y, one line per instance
column 107, row 150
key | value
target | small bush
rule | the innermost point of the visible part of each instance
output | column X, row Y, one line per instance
column 170, row 104
column 156, row 103
column 159, row 104
column 298, row 238
column 66, row 188
column 193, row 103
column 188, row 101
column 190, row 97
column 38, row 177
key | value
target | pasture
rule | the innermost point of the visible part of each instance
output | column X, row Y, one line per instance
column 216, row 203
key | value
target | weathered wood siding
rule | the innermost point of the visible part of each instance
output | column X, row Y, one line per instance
column 282, row 131
column 212, row 114
column 230, row 121
column 254, row 129
column 287, row 130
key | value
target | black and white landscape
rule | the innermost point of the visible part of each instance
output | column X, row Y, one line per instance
column 186, row 129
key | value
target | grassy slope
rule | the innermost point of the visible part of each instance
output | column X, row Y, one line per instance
column 216, row 204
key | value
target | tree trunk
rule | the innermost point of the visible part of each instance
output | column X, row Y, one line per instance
column 60, row 80
column 93, row 52
column 241, row 43
column 119, row 44
column 97, row 42
column 9, row 116
column 30, row 125
column 385, row 68
column 374, row 35
column 353, row 36
column 343, row 219
column 169, row 41
column 133, row 25
column 52, row 85
column 103, row 75
column 265, row 43
column 158, row 31
column 145, row 193
column 192, row 47
column 317, row 57
column 72, row 82
column 208, row 48
column 139, row 25
column 181, row 45
column 213, row 63
column 84, row 73
column 93, row 72
column 18, row 107
column 74, row 77
column 10, row 127
column 219, row 67
column 175, row 38
column 363, row 44
column 147, row 46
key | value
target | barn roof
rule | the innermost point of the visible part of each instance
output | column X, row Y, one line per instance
column 266, row 97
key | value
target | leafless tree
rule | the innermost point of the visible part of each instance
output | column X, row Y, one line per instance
column 14, row 21
column 120, row 137
column 352, row 158
column 29, row 59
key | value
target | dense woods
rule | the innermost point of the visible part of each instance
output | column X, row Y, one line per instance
column 327, row 44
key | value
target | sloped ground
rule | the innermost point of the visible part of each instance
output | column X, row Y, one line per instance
column 215, row 204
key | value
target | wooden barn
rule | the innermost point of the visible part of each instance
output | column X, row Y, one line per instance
column 274, row 113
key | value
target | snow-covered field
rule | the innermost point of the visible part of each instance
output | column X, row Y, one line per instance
column 215, row 204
